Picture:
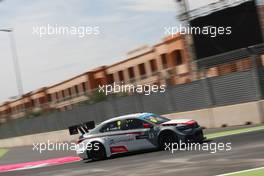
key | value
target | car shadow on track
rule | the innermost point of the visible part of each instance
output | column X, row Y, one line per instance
column 121, row 155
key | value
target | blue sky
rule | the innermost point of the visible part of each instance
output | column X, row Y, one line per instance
column 124, row 26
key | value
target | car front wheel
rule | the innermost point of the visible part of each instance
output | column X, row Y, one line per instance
column 166, row 139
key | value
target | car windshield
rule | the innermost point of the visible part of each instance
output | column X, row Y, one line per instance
column 156, row 119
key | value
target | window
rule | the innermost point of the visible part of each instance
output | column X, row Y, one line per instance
column 110, row 78
column 164, row 61
column 70, row 92
column 177, row 57
column 155, row 119
column 18, row 107
column 76, row 89
column 32, row 103
column 131, row 72
column 57, row 96
column 112, row 126
column 84, row 87
column 42, row 100
column 133, row 124
column 63, row 94
column 153, row 65
column 27, row 105
column 36, row 101
column 121, row 76
column 142, row 70
column 49, row 98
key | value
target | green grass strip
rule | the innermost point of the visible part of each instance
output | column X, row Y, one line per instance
column 232, row 132
column 3, row 152
column 251, row 172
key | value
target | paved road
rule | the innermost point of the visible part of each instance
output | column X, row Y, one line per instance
column 26, row 154
column 247, row 152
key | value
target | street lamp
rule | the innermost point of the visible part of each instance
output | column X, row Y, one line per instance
column 15, row 60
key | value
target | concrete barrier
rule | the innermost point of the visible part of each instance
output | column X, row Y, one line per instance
column 203, row 117
column 29, row 140
column 231, row 115
column 237, row 114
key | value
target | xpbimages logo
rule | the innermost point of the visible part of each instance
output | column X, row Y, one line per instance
column 79, row 31
column 64, row 146
column 212, row 31
column 146, row 89
column 211, row 147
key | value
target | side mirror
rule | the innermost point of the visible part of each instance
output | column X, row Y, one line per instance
column 147, row 125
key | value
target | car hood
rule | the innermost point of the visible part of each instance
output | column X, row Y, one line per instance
column 176, row 121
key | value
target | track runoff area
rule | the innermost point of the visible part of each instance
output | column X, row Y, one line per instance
column 237, row 136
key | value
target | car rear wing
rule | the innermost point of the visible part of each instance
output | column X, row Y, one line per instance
column 81, row 128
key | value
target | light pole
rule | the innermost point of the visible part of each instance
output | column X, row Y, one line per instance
column 185, row 5
column 15, row 61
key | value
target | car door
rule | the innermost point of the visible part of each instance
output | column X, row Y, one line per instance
column 140, row 134
column 115, row 137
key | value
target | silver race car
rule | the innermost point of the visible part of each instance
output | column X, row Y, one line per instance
column 133, row 132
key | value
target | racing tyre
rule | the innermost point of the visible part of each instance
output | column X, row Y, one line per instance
column 166, row 138
column 97, row 152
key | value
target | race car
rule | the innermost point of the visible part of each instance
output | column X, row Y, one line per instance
column 133, row 132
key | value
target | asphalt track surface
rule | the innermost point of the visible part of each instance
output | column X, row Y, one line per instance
column 247, row 152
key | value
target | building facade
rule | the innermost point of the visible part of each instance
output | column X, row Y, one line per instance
column 165, row 63
column 153, row 65
column 145, row 65
column 260, row 10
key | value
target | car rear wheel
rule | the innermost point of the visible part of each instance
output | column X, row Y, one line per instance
column 166, row 138
column 97, row 152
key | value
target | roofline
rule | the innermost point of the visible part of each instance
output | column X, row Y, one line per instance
column 169, row 39
column 85, row 73
column 152, row 48
column 104, row 67
column 67, row 80
column 131, row 58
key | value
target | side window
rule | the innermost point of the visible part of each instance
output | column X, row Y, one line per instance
column 131, row 124
column 112, row 126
